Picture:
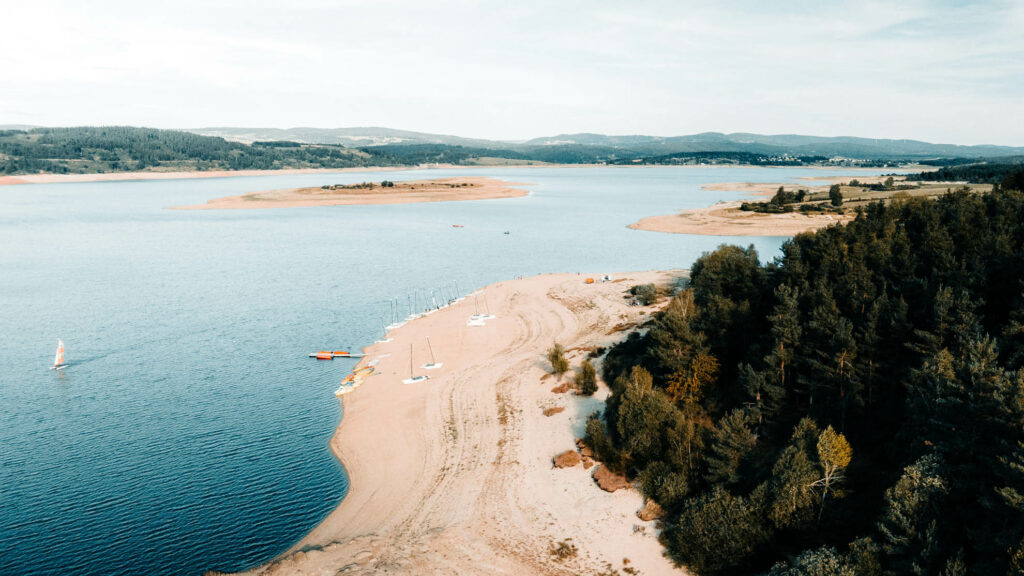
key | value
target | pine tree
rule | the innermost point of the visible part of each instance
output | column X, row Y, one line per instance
column 909, row 523
column 731, row 442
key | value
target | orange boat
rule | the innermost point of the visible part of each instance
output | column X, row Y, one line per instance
column 324, row 355
column 341, row 353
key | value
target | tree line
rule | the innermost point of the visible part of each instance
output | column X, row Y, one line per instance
column 1007, row 172
column 855, row 406
column 125, row 148
column 122, row 148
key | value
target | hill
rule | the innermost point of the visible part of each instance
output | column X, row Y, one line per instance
column 125, row 148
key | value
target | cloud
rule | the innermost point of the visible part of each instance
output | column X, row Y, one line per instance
column 937, row 70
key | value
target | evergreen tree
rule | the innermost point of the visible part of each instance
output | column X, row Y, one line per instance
column 731, row 442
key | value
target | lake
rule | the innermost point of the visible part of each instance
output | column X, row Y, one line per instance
column 191, row 430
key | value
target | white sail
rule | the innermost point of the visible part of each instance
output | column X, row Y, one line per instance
column 58, row 359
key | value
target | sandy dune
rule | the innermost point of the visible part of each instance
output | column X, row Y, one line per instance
column 454, row 475
column 406, row 192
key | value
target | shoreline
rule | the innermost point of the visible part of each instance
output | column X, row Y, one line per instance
column 15, row 180
column 724, row 218
column 455, row 475
column 402, row 192
column 18, row 179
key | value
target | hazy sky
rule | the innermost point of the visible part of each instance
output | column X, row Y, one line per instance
column 941, row 71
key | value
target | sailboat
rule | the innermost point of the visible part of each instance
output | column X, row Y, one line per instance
column 413, row 378
column 58, row 360
column 433, row 361
column 478, row 319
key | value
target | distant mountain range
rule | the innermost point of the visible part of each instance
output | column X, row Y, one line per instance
column 84, row 149
column 632, row 146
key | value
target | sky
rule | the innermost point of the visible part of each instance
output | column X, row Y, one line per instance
column 934, row 70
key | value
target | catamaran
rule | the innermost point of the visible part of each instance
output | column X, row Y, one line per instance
column 413, row 378
column 58, row 360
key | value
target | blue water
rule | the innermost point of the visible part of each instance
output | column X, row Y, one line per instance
column 191, row 431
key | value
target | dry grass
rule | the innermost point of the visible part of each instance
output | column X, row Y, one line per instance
column 563, row 550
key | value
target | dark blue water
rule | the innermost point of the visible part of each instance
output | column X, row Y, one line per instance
column 191, row 431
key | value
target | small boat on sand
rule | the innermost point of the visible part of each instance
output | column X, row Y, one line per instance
column 433, row 361
column 413, row 378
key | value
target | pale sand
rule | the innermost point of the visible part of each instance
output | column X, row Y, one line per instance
column 454, row 475
column 123, row 176
column 405, row 192
column 726, row 218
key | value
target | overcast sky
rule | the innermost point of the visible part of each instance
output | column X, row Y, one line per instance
column 940, row 71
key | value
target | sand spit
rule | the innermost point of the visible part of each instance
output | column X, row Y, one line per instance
column 726, row 218
column 454, row 475
column 407, row 192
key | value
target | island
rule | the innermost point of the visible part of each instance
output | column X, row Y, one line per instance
column 384, row 192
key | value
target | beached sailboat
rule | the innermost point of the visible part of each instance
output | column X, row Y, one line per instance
column 58, row 360
column 433, row 361
column 384, row 334
column 478, row 319
column 413, row 378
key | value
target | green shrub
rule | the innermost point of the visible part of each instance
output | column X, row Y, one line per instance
column 586, row 379
column 645, row 294
column 556, row 356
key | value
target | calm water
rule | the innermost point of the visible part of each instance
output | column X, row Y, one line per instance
column 190, row 432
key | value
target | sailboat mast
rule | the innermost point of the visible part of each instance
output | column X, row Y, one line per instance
column 431, row 348
column 411, row 375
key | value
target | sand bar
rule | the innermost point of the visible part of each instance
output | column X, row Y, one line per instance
column 726, row 218
column 454, row 475
column 406, row 192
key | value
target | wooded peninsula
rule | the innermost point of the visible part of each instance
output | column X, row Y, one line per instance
column 854, row 407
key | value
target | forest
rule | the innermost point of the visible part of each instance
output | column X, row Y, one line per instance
column 853, row 407
column 79, row 150
column 124, row 148
column 989, row 172
column 120, row 148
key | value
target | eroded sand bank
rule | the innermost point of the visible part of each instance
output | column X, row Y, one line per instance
column 454, row 475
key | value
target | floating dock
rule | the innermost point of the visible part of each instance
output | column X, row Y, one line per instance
column 330, row 355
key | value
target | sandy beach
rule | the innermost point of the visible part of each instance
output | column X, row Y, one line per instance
column 454, row 475
column 405, row 192
column 726, row 218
